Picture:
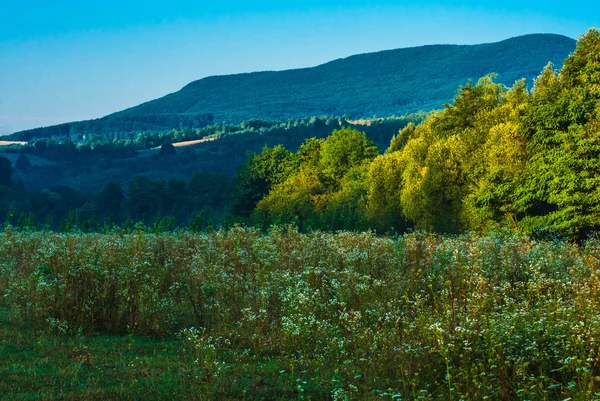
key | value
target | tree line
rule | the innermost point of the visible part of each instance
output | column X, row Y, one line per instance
column 160, row 185
column 496, row 157
column 196, row 204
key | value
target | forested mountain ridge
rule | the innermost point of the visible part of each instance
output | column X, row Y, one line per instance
column 385, row 83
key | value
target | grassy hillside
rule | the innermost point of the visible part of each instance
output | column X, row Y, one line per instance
column 393, row 82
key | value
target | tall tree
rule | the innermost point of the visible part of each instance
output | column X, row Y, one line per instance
column 443, row 155
column 23, row 163
column 145, row 198
column 257, row 175
column 562, row 123
column 110, row 202
column 384, row 181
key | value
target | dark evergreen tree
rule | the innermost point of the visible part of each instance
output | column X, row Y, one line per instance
column 167, row 150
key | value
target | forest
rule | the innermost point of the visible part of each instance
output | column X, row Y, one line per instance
column 496, row 157
column 148, row 171
column 457, row 259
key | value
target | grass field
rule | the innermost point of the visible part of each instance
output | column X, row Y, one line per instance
column 41, row 365
column 240, row 314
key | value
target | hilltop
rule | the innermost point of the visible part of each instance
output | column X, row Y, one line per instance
column 385, row 83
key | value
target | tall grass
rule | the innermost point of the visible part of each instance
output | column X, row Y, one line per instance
column 350, row 316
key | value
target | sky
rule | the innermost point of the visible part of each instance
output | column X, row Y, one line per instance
column 71, row 60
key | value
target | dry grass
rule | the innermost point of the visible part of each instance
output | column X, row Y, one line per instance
column 190, row 143
column 7, row 143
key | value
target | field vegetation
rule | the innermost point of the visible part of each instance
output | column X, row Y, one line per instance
column 240, row 314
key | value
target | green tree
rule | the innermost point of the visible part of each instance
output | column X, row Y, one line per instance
column 110, row 202
column 561, row 191
column 444, row 155
column 209, row 190
column 257, row 175
column 384, row 181
column 23, row 163
column 45, row 203
column 344, row 209
column 309, row 152
column 398, row 141
column 145, row 198
column 177, row 199
column 344, row 149
column 299, row 199
column 166, row 150
column 496, row 179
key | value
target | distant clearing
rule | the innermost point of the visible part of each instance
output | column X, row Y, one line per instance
column 366, row 122
column 7, row 143
column 190, row 143
column 151, row 151
column 186, row 143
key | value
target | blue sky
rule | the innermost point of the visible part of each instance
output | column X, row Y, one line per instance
column 70, row 60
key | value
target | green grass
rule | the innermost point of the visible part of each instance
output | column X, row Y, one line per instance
column 40, row 365
column 244, row 315
column 37, row 365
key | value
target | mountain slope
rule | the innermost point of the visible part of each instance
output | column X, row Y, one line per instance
column 392, row 82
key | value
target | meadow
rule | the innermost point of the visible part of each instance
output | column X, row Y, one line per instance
column 243, row 314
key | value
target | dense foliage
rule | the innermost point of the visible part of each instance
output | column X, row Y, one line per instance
column 495, row 157
column 304, row 316
column 88, row 163
column 59, row 178
column 196, row 204
column 394, row 82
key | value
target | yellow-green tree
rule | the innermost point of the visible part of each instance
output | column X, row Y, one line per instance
column 344, row 149
column 443, row 156
column 328, row 190
column 398, row 141
column 344, row 209
column 384, row 182
column 298, row 199
column 502, row 162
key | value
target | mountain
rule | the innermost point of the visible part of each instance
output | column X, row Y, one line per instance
column 385, row 83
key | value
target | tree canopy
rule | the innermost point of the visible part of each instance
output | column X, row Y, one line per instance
column 495, row 157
